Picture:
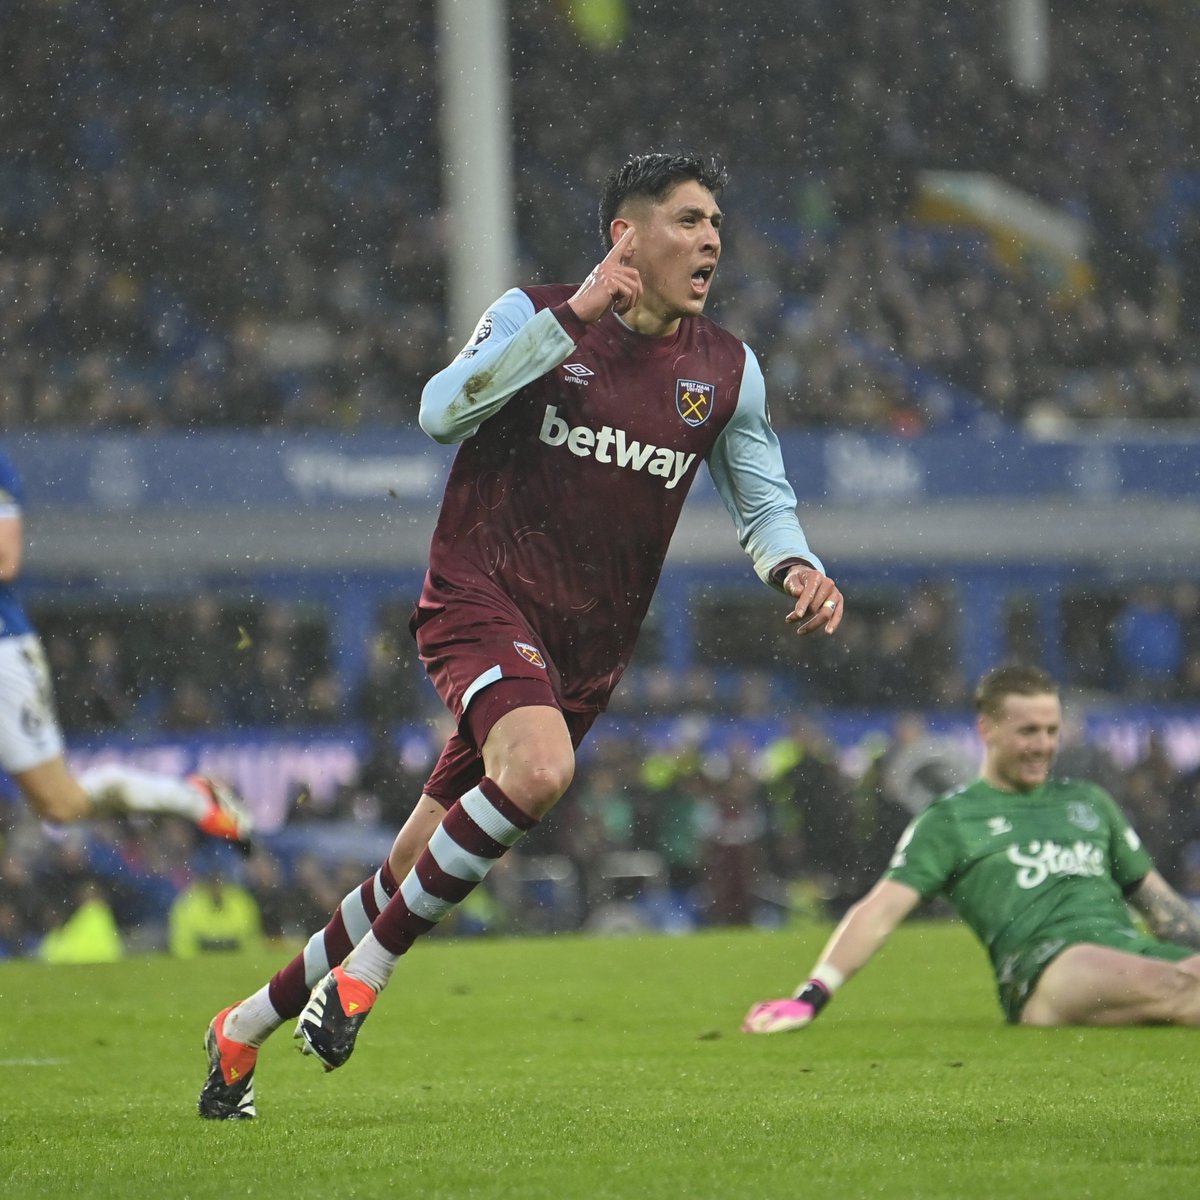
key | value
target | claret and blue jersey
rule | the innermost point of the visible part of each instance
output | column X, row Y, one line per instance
column 589, row 438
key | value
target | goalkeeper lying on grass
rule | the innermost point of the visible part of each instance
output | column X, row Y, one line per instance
column 1043, row 870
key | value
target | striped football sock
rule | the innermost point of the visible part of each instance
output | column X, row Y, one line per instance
column 476, row 832
column 290, row 987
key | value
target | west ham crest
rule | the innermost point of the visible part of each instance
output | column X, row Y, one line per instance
column 694, row 400
column 530, row 654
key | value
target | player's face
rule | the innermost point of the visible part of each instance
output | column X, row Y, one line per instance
column 677, row 243
column 1021, row 742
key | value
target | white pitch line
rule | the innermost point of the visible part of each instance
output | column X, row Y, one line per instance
column 32, row 1062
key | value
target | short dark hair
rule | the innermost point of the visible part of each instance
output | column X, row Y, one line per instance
column 653, row 176
column 1014, row 680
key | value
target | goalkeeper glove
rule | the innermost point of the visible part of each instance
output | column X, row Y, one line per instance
column 779, row 1016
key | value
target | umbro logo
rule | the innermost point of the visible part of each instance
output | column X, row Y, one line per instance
column 578, row 373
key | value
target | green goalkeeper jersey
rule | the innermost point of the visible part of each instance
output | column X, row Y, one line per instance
column 1025, row 867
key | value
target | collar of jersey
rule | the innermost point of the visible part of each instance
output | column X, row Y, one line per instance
column 643, row 343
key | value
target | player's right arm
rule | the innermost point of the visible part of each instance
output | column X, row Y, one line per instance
column 512, row 346
column 857, row 939
column 924, row 859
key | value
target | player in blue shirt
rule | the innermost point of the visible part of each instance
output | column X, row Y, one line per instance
column 31, row 743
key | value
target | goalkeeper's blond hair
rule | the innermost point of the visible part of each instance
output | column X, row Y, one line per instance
column 1016, row 680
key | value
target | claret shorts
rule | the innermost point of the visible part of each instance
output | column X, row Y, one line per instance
column 484, row 661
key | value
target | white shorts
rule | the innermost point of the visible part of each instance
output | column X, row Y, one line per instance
column 29, row 733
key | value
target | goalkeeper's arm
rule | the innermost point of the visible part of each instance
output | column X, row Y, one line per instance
column 862, row 931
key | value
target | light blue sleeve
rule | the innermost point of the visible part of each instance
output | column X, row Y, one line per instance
column 746, row 466
column 511, row 346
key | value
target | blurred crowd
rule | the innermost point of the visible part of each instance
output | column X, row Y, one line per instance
column 231, row 215
column 189, row 665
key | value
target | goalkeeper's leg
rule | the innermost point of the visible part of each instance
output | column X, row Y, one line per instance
column 1097, row 985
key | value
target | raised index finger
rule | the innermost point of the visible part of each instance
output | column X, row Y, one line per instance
column 621, row 247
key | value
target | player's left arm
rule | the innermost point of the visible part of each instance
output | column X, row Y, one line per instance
column 746, row 465
column 1167, row 913
column 11, row 543
column 512, row 345
column 12, row 539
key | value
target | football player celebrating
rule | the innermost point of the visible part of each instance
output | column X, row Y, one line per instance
column 583, row 413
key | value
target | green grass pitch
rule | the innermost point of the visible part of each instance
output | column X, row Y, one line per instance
column 598, row 1068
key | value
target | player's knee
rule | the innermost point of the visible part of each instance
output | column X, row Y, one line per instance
column 54, row 793
column 1039, row 1014
column 1178, row 995
column 535, row 785
column 546, row 781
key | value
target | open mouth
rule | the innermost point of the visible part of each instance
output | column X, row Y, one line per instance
column 700, row 278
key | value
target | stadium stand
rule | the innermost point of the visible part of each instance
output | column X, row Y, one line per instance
column 227, row 218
